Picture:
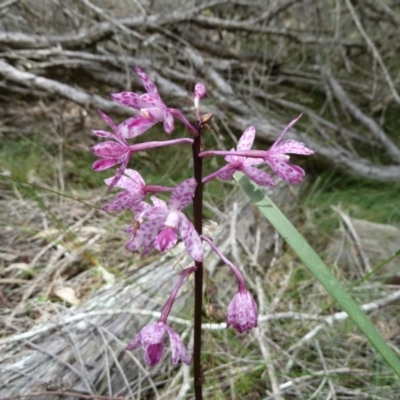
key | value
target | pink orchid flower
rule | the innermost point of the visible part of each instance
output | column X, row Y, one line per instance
column 152, row 110
column 244, row 164
column 135, row 191
column 112, row 152
column 151, row 337
column 118, row 151
column 163, row 223
column 276, row 157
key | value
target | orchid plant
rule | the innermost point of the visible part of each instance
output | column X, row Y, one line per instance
column 161, row 225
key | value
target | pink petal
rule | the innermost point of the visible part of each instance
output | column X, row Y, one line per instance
column 109, row 150
column 123, row 183
column 103, row 134
column 153, row 354
column 135, row 176
column 155, row 113
column 156, row 212
column 128, row 99
column 120, row 171
column 293, row 147
column 145, row 235
column 177, row 114
column 284, row 131
column 140, row 210
column 150, row 246
column 182, row 195
column 168, row 121
column 101, row 165
column 232, row 158
column 258, row 176
column 134, row 343
column 124, row 201
column 147, row 82
column 107, row 119
column 247, row 139
column 227, row 174
column 158, row 202
column 153, row 333
column 290, row 173
column 148, row 100
column 132, row 182
column 135, row 126
column 191, row 239
column 166, row 239
column 152, row 337
column 253, row 161
column 179, row 350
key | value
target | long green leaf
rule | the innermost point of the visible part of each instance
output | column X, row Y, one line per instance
column 318, row 268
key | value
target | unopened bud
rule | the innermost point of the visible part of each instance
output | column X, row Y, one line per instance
column 199, row 93
column 242, row 312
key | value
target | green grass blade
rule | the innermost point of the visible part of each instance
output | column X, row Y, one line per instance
column 318, row 268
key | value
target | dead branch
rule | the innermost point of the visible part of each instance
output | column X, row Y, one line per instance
column 247, row 84
column 56, row 88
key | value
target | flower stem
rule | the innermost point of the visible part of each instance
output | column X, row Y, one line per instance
column 198, row 275
column 232, row 266
column 168, row 305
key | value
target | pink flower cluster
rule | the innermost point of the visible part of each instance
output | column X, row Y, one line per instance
column 161, row 224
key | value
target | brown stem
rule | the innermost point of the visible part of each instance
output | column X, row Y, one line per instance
column 198, row 277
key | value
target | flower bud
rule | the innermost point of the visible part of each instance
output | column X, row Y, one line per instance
column 199, row 93
column 242, row 312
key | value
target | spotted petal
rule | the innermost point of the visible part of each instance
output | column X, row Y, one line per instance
column 132, row 181
column 101, row 165
column 258, row 176
column 104, row 134
column 183, row 194
column 124, row 201
column 145, row 235
column 179, row 350
column 191, row 239
column 227, row 173
column 292, row 147
column 109, row 149
column 134, row 343
column 247, row 139
column 147, row 82
column 135, row 126
column 168, row 121
column 128, row 99
column 107, row 119
column 290, row 173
